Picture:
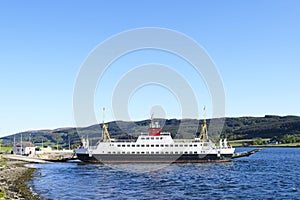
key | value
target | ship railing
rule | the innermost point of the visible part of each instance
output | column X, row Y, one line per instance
column 183, row 140
column 125, row 141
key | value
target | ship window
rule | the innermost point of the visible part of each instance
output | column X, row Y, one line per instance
column 181, row 145
column 186, row 152
column 142, row 138
column 201, row 145
column 195, row 152
column 128, row 145
column 176, row 145
column 191, row 152
column 152, row 152
column 114, row 152
column 118, row 152
column 166, row 152
column 176, row 152
column 147, row 145
column 108, row 152
column 133, row 152
column 152, row 138
column 137, row 152
column 191, row 145
column 142, row 145
column 181, row 152
column 123, row 145
column 166, row 145
column 171, row 145
column 171, row 152
column 157, row 145
column 147, row 138
column 133, row 145
column 118, row 145
column 162, row 145
column 161, row 138
column 152, row 145
column 128, row 152
column 157, row 138
column 147, row 152
column 157, row 152
column 142, row 152
column 195, row 145
column 185, row 145
column 137, row 145
column 123, row 152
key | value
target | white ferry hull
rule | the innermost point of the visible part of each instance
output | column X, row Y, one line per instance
column 153, row 158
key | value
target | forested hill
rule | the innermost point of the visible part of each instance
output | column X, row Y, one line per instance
column 235, row 128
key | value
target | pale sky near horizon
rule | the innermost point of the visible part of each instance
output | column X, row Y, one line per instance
column 255, row 46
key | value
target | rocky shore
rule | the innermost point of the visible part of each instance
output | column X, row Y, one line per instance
column 13, row 178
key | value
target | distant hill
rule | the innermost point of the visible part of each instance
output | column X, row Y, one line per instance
column 234, row 128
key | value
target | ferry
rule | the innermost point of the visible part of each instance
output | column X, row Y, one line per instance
column 155, row 146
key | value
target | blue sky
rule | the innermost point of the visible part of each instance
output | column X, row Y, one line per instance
column 254, row 44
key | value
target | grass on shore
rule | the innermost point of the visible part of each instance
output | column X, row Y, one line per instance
column 5, row 149
column 3, row 163
column 243, row 143
column 297, row 144
column 2, row 193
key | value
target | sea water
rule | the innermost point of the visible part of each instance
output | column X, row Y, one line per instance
column 273, row 173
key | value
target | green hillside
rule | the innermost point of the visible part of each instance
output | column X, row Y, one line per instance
column 283, row 129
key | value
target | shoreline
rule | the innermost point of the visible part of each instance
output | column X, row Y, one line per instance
column 265, row 146
column 13, row 178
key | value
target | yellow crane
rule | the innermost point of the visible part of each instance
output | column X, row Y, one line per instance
column 105, row 133
column 203, row 133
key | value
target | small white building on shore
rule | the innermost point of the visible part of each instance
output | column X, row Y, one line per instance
column 24, row 148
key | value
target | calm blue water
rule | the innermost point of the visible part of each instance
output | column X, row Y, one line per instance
column 273, row 173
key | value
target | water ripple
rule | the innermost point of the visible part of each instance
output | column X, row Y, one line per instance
column 269, row 174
